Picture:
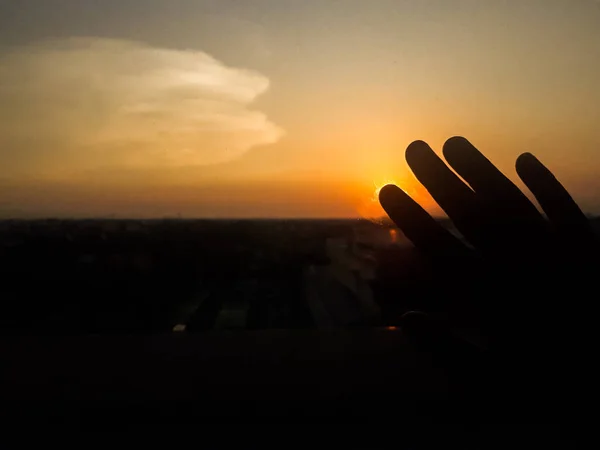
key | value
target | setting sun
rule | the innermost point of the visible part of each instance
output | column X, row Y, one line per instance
column 368, row 206
column 379, row 187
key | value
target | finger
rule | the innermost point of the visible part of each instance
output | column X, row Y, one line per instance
column 448, row 190
column 418, row 226
column 554, row 199
column 487, row 180
column 510, row 219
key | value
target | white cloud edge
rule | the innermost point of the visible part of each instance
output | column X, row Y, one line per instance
column 149, row 105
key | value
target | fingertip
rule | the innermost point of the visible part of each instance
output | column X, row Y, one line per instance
column 388, row 193
column 417, row 151
column 533, row 173
column 417, row 144
column 457, row 139
column 559, row 206
column 527, row 160
column 455, row 147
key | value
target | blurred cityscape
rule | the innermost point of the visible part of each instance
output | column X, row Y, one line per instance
column 150, row 276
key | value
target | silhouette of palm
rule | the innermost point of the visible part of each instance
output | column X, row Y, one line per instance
column 522, row 280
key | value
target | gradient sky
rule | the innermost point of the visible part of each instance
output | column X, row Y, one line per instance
column 287, row 108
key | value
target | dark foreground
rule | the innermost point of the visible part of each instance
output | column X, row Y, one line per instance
column 106, row 276
column 121, row 324
column 368, row 375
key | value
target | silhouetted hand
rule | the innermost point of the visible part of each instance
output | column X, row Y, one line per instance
column 524, row 283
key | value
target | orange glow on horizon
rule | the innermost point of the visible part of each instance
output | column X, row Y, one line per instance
column 379, row 187
column 367, row 200
column 368, row 206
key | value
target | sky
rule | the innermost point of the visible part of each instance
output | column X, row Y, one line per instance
column 283, row 108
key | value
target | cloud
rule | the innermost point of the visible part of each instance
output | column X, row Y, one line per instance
column 87, row 101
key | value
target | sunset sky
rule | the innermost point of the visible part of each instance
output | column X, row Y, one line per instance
column 283, row 108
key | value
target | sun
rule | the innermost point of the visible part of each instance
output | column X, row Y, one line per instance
column 379, row 186
column 368, row 206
